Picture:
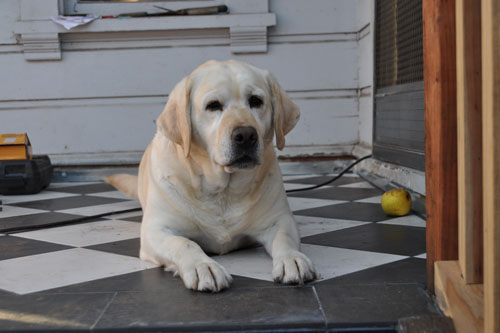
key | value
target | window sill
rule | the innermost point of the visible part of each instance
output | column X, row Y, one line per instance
column 248, row 32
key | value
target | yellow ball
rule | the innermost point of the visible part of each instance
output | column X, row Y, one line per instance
column 396, row 202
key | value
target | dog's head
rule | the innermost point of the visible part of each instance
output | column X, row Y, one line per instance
column 230, row 110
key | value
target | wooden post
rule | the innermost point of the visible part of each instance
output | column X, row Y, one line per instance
column 440, row 132
column 469, row 153
column 490, row 14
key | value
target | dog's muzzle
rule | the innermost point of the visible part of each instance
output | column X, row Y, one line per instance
column 244, row 147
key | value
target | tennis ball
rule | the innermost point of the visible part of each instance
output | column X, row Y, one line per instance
column 396, row 202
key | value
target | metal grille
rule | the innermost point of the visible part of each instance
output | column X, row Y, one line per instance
column 398, row 44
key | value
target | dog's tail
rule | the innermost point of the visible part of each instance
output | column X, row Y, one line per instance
column 127, row 184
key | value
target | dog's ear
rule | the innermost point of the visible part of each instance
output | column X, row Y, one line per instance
column 175, row 120
column 285, row 113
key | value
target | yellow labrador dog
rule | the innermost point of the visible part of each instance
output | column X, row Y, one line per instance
column 210, row 181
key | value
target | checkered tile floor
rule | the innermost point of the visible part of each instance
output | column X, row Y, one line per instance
column 86, row 274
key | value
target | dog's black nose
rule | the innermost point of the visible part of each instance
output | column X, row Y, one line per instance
column 245, row 137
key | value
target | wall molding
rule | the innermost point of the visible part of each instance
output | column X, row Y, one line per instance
column 41, row 46
column 248, row 39
column 81, row 102
column 96, row 101
column 134, row 157
column 240, row 39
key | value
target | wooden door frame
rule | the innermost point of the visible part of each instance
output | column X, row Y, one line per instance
column 462, row 77
column 440, row 132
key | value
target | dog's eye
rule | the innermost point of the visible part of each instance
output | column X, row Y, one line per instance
column 255, row 102
column 214, row 106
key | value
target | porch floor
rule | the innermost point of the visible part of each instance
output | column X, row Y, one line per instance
column 87, row 275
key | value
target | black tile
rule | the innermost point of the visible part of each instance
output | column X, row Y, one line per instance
column 375, row 237
column 179, row 309
column 410, row 270
column 15, row 247
column 150, row 280
column 351, row 305
column 86, row 189
column 321, row 179
column 245, row 282
column 427, row 323
column 357, row 211
column 128, row 247
column 338, row 193
column 133, row 219
column 51, row 313
column 67, row 203
column 34, row 221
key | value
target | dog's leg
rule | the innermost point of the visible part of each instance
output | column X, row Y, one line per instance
column 290, row 266
column 197, row 270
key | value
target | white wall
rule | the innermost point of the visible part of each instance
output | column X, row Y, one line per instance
column 99, row 102
column 365, row 20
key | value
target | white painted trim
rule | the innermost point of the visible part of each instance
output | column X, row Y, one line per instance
column 189, row 38
column 41, row 46
column 72, row 7
column 411, row 179
column 83, row 101
column 152, row 23
column 40, row 36
column 333, row 37
column 315, row 151
column 97, row 101
column 94, row 159
column 248, row 39
column 134, row 157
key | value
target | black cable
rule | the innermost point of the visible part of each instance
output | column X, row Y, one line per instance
column 83, row 219
column 330, row 180
column 78, row 220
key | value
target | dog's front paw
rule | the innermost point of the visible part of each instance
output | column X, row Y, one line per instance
column 294, row 268
column 205, row 275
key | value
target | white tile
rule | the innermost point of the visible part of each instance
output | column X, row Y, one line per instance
column 253, row 263
column 329, row 261
column 292, row 177
column 333, row 261
column 289, row 186
column 68, row 184
column 10, row 211
column 305, row 203
column 87, row 234
column 103, row 209
column 408, row 220
column 422, row 256
column 350, row 175
column 358, row 185
column 62, row 268
column 328, row 175
column 44, row 195
column 310, row 225
column 376, row 199
column 110, row 194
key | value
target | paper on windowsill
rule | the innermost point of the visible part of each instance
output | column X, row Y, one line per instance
column 70, row 22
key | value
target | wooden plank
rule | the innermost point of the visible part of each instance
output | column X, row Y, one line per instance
column 462, row 302
column 469, row 140
column 491, row 164
column 440, row 132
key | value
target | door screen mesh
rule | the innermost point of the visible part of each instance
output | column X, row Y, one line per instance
column 398, row 43
column 399, row 133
